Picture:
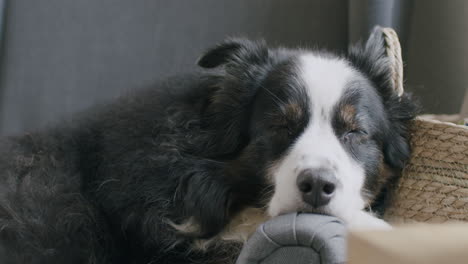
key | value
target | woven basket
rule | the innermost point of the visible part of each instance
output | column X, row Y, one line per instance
column 434, row 184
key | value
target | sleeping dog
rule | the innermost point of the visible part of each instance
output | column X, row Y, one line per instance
column 184, row 171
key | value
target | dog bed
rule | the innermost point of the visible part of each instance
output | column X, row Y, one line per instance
column 434, row 184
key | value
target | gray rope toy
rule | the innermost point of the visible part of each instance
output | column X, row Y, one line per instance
column 296, row 239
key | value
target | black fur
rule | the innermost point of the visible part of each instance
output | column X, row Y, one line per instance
column 103, row 187
column 371, row 59
column 398, row 111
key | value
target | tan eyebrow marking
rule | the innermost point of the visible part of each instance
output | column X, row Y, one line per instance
column 348, row 114
column 293, row 111
column 290, row 114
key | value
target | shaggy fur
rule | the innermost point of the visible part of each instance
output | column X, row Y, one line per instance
column 148, row 178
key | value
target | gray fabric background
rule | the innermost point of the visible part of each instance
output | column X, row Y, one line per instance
column 60, row 56
column 434, row 36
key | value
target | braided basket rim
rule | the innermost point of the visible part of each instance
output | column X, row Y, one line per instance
column 434, row 121
column 433, row 186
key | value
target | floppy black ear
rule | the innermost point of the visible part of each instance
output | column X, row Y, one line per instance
column 233, row 49
column 372, row 60
column 245, row 64
column 219, row 54
column 401, row 110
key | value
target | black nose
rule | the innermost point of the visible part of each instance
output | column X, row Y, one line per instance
column 317, row 186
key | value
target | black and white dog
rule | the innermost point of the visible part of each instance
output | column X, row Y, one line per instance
column 184, row 172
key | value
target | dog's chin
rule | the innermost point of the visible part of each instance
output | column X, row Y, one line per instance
column 302, row 209
column 307, row 209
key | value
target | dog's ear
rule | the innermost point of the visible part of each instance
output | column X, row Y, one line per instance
column 213, row 192
column 245, row 64
column 220, row 54
column 233, row 50
column 372, row 60
column 400, row 110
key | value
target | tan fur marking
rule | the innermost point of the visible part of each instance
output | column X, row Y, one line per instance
column 348, row 114
column 187, row 227
column 239, row 229
column 293, row 111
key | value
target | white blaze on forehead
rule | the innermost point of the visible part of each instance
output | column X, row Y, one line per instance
column 325, row 80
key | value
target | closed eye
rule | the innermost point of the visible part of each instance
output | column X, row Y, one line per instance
column 354, row 134
column 283, row 127
column 357, row 131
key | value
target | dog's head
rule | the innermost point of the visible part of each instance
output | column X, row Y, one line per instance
column 324, row 131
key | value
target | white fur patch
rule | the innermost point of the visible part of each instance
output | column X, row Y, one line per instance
column 318, row 146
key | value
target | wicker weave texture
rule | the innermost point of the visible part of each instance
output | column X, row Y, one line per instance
column 434, row 185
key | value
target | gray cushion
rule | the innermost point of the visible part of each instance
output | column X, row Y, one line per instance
column 296, row 239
